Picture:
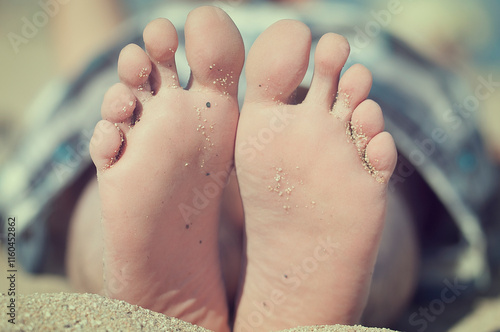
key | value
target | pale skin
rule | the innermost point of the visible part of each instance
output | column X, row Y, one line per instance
column 326, row 198
column 313, row 198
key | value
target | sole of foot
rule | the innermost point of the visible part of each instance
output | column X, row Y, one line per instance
column 313, row 179
column 163, row 154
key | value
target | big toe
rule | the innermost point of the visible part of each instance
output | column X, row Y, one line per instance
column 277, row 62
column 214, row 50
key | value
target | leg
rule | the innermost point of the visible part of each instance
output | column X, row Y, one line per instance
column 313, row 183
column 84, row 253
column 395, row 276
column 163, row 155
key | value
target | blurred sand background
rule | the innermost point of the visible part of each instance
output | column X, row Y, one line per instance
column 455, row 33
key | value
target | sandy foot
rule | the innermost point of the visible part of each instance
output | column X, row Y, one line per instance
column 163, row 155
column 313, row 183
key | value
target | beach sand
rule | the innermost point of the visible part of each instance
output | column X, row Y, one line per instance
column 91, row 312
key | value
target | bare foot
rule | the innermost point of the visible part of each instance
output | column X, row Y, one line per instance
column 163, row 155
column 313, row 183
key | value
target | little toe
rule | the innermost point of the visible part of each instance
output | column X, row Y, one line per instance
column 330, row 57
column 354, row 87
column 106, row 145
column 160, row 38
column 277, row 62
column 118, row 104
column 134, row 68
column 381, row 156
column 214, row 50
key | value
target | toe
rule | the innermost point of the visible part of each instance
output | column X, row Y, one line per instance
column 106, row 145
column 277, row 62
column 367, row 120
column 381, row 155
column 331, row 54
column 134, row 67
column 354, row 87
column 214, row 50
column 119, row 104
column 160, row 38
